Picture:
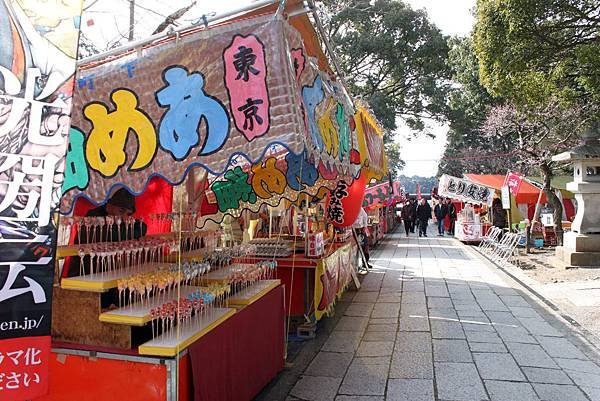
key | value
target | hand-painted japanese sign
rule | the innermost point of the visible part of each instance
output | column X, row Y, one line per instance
column 370, row 144
column 203, row 100
column 282, row 174
column 246, row 81
column 380, row 194
column 37, row 63
column 513, row 182
column 332, row 276
column 464, row 190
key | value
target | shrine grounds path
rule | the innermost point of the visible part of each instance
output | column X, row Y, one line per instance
column 435, row 321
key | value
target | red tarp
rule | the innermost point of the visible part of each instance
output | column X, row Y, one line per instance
column 527, row 193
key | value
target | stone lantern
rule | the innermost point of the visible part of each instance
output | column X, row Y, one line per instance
column 581, row 246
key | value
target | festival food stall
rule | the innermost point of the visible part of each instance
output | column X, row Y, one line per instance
column 469, row 226
column 211, row 121
column 380, row 203
column 523, row 203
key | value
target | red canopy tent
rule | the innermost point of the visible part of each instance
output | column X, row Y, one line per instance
column 528, row 193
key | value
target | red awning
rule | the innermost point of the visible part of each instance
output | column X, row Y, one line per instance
column 527, row 193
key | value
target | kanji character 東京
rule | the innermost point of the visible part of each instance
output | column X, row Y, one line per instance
column 250, row 110
column 105, row 147
column 246, row 83
column 233, row 189
column 244, row 61
column 187, row 106
column 267, row 179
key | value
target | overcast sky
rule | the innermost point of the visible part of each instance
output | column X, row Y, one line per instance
column 107, row 21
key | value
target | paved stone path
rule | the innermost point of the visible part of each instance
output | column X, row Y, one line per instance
column 433, row 321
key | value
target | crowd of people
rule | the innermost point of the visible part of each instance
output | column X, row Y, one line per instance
column 417, row 214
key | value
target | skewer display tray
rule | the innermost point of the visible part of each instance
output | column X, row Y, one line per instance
column 170, row 344
column 253, row 293
column 139, row 314
column 102, row 282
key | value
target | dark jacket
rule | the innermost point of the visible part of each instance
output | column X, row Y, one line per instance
column 408, row 212
column 413, row 210
column 499, row 217
column 452, row 211
column 424, row 212
column 440, row 211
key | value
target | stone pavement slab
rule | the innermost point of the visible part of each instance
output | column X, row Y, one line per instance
column 548, row 376
column 559, row 392
column 451, row 351
column 530, row 355
column 365, row 379
column 498, row 367
column 413, row 342
column 410, row 390
column 359, row 309
column 411, row 365
column 314, row 388
column 342, row 341
column 330, row 364
column 375, row 348
column 487, row 347
column 510, row 391
column 366, row 296
column 560, row 348
column 459, row 381
column 352, row 323
column 379, row 336
column 446, row 329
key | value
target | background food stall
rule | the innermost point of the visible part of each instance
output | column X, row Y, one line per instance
column 469, row 226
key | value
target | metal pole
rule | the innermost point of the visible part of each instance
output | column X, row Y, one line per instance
column 150, row 39
column 131, row 19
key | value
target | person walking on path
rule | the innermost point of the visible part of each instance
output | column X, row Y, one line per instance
column 407, row 217
column 451, row 216
column 423, row 216
column 413, row 214
column 440, row 211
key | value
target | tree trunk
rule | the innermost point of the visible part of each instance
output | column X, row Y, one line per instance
column 553, row 201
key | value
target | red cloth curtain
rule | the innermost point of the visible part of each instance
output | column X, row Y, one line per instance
column 236, row 359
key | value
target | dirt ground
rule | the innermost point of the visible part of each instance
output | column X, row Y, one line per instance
column 540, row 266
column 575, row 291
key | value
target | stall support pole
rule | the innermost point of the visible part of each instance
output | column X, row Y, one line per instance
column 270, row 221
column 509, row 212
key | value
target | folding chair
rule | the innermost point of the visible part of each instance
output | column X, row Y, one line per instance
column 490, row 239
column 507, row 249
